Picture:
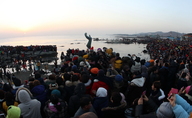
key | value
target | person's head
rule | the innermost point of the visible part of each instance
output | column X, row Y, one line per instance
column 85, row 78
column 118, row 78
column 23, row 95
column 59, row 81
column 154, row 69
column 17, row 82
column 94, row 71
column 74, row 78
column 116, row 98
column 143, row 61
column 9, row 96
column 37, row 75
column 55, row 100
column 56, row 92
column 156, row 85
column 36, row 82
column 52, row 77
column 165, row 111
column 101, row 92
column 85, row 103
column 13, row 112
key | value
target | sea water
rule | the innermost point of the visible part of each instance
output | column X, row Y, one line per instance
column 65, row 42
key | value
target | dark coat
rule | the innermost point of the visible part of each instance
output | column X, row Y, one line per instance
column 74, row 101
column 40, row 94
column 114, row 111
column 99, row 103
column 147, row 110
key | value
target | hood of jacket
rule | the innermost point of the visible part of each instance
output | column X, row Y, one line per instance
column 38, row 90
column 23, row 95
column 101, row 92
column 139, row 81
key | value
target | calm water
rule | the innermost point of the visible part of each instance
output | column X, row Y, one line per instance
column 77, row 41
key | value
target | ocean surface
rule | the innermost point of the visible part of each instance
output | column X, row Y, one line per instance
column 63, row 43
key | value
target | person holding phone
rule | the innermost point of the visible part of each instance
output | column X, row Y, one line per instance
column 181, row 108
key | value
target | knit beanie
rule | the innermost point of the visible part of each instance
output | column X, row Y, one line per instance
column 13, row 112
column 118, row 78
column 85, row 56
column 56, row 92
column 165, row 111
column 74, row 67
column 94, row 70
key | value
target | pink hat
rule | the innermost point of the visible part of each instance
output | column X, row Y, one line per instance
column 187, row 89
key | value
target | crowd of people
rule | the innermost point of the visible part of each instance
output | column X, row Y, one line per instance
column 102, row 84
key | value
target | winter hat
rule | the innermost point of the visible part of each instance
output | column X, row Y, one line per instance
column 94, row 70
column 17, row 82
column 151, row 61
column 13, row 112
column 118, row 78
column 101, row 92
column 75, row 58
column 99, row 49
column 81, row 63
column 165, row 111
column 74, row 67
column 56, row 92
column 85, row 56
column 88, row 115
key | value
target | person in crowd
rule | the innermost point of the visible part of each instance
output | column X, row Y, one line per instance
column 100, row 101
column 56, row 108
column 135, row 88
column 16, row 85
column 116, row 108
column 101, row 81
column 85, row 106
column 180, row 106
column 74, row 101
column 8, row 101
column 137, row 65
column 70, row 86
column 30, row 108
column 157, row 93
column 39, row 92
column 183, row 80
column 186, row 93
column 85, row 78
column 13, row 112
column 163, row 111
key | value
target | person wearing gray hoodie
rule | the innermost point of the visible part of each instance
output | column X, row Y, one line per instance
column 30, row 108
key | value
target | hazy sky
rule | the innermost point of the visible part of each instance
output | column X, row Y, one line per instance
column 57, row 17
